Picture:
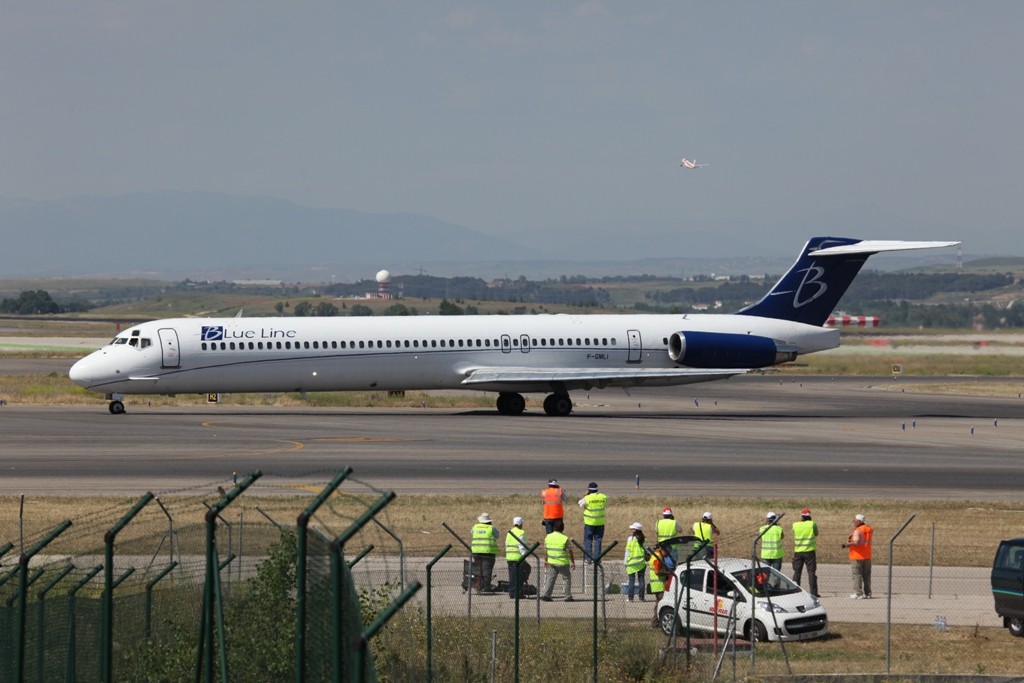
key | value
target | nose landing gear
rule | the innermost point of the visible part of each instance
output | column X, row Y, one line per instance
column 116, row 406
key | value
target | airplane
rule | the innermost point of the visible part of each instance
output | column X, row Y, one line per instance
column 507, row 354
column 692, row 164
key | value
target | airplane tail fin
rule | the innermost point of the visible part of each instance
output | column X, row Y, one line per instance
column 813, row 286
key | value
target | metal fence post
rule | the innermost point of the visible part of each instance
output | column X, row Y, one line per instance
column 23, row 576
column 149, row 596
column 211, row 584
column 41, row 623
column 301, row 535
column 469, row 579
column 518, row 592
column 378, row 624
column 597, row 563
column 888, row 602
column 70, row 671
column 107, row 631
column 337, row 552
column 754, row 566
column 430, row 635
column 363, row 553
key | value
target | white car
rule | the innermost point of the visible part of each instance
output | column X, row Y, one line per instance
column 776, row 608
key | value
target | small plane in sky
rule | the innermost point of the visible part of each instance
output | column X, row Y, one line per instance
column 507, row 354
column 686, row 163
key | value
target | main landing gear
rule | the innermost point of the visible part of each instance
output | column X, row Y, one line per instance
column 511, row 404
column 558, row 405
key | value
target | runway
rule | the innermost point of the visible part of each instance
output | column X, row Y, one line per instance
column 842, row 438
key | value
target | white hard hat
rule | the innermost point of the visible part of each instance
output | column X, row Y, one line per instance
column 707, row 515
column 517, row 521
column 771, row 515
column 637, row 526
column 859, row 518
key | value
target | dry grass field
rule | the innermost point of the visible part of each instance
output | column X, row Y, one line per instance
column 971, row 529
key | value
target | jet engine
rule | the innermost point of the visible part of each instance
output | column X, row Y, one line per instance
column 723, row 350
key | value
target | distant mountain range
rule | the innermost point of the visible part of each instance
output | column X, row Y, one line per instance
column 201, row 235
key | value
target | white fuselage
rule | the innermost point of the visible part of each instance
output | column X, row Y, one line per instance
column 197, row 355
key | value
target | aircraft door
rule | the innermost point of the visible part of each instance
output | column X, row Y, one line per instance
column 635, row 347
column 169, row 354
column 506, row 344
column 524, row 343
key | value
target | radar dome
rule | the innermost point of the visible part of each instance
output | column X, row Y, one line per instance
column 383, row 277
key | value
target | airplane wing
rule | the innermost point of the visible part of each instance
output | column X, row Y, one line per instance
column 581, row 378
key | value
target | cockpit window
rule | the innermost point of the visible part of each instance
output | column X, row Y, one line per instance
column 134, row 341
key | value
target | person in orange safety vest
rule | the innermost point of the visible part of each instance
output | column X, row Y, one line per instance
column 554, row 498
column 859, row 545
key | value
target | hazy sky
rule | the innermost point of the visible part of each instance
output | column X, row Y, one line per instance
column 874, row 119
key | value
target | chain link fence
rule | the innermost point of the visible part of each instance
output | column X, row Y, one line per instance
column 203, row 589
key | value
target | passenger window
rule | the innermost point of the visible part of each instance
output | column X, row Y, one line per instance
column 380, row 344
column 433, row 343
column 613, row 341
column 203, row 346
column 251, row 346
column 389, row 343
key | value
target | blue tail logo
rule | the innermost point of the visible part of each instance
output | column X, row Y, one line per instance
column 813, row 286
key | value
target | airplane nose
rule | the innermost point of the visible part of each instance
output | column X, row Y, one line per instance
column 79, row 372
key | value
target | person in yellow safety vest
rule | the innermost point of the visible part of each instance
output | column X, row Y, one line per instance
column 667, row 527
column 771, row 542
column 636, row 562
column 484, row 548
column 558, row 558
column 594, row 505
column 553, row 496
column 661, row 578
column 705, row 530
column 515, row 548
column 805, row 546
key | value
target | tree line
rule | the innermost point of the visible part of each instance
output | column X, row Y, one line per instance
column 39, row 302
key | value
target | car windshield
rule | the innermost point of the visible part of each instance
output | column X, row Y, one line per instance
column 767, row 581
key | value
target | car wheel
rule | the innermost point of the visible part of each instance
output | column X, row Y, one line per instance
column 669, row 622
column 1016, row 627
column 760, row 632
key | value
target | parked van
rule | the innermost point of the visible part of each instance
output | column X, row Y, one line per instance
column 1008, row 584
